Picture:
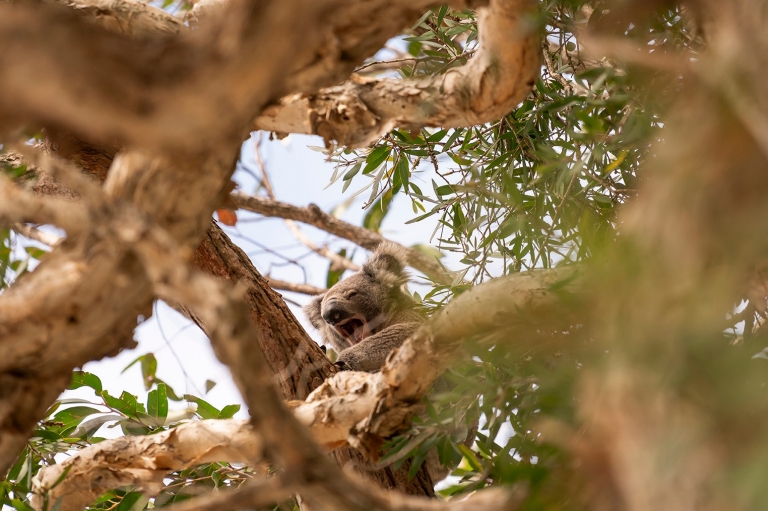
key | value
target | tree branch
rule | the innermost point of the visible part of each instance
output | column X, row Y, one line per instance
column 316, row 217
column 18, row 205
column 371, row 403
column 489, row 86
column 294, row 287
column 33, row 233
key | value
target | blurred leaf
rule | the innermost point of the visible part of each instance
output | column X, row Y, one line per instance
column 229, row 411
column 377, row 212
column 204, row 409
column 85, row 379
column 227, row 217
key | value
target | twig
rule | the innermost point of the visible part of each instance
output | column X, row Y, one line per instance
column 253, row 494
column 316, row 217
column 337, row 260
column 306, row 289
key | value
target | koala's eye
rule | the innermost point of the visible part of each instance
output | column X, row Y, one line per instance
column 351, row 295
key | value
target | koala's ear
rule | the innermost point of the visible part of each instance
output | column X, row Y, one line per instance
column 388, row 262
column 313, row 311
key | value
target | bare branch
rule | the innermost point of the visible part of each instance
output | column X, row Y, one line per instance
column 254, row 494
column 130, row 18
column 316, row 217
column 36, row 234
column 294, row 287
column 488, row 87
column 338, row 261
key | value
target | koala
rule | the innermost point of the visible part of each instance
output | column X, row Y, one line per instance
column 366, row 315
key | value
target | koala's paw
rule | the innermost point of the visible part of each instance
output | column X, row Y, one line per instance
column 342, row 366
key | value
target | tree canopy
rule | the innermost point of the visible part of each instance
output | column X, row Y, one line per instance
column 594, row 171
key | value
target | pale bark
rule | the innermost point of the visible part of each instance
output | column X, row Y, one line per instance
column 306, row 289
column 154, row 92
column 144, row 461
column 489, row 86
column 350, row 406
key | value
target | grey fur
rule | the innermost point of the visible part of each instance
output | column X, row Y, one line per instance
column 374, row 295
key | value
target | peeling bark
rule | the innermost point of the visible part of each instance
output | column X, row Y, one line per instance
column 144, row 461
column 488, row 87
column 356, row 406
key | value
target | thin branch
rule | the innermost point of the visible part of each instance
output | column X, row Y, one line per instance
column 316, row 217
column 253, row 494
column 33, row 233
column 306, row 289
column 337, row 260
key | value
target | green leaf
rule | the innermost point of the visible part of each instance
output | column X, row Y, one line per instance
column 204, row 409
column 376, row 158
column 353, row 171
column 127, row 408
column 229, row 411
column 148, row 369
column 85, row 379
column 171, row 393
column 377, row 212
column 132, row 501
column 402, row 171
column 157, row 403
column 470, row 457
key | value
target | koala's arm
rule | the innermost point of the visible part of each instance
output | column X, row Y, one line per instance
column 370, row 354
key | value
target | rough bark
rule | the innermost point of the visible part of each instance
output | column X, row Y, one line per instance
column 89, row 71
column 489, row 86
column 297, row 363
column 357, row 406
column 143, row 462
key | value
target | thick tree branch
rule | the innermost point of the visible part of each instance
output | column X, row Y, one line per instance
column 19, row 205
column 143, row 461
column 489, row 86
column 316, row 217
column 130, row 18
column 155, row 91
column 372, row 403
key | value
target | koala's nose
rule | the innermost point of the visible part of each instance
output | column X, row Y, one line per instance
column 334, row 313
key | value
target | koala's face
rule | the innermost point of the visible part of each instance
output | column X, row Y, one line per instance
column 361, row 304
